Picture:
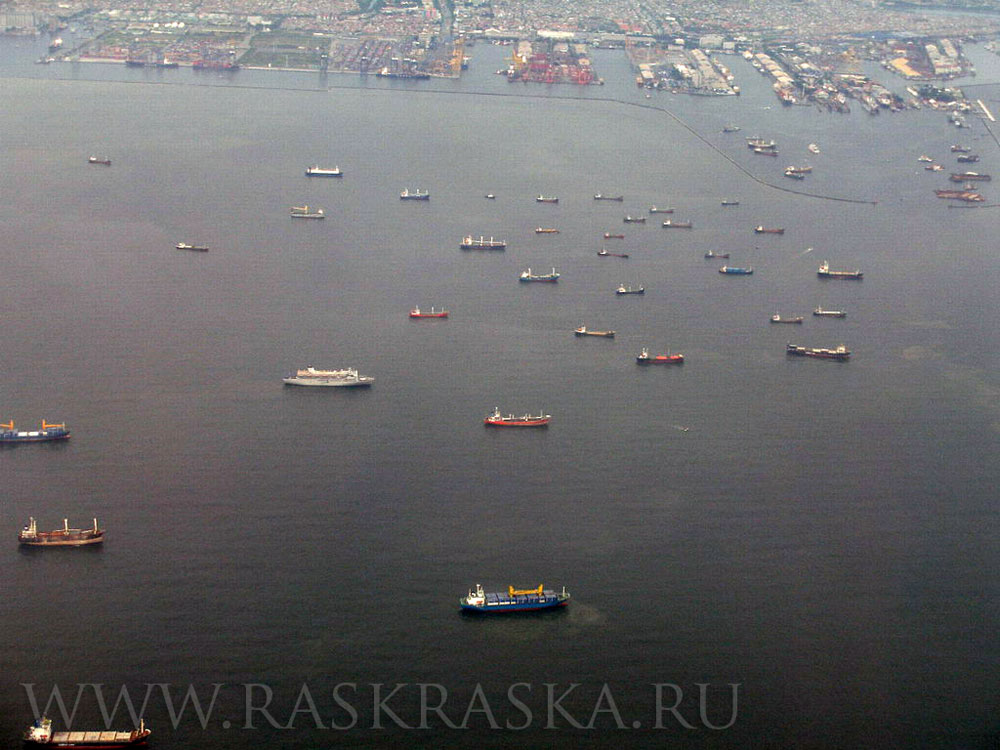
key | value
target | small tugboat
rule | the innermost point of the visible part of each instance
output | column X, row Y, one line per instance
column 416, row 195
column 546, row 230
column 305, row 212
column 776, row 318
column 416, row 312
column 102, row 160
column 609, row 236
column 736, row 271
column 669, row 224
column 655, row 210
column 644, row 358
column 40, row 734
column 819, row 311
column 601, row 197
column 196, row 248
column 730, row 203
column 713, row 254
column 490, row 197
column 824, row 272
column 49, row 432
column 634, row 219
column 514, row 600
column 604, row 253
column 543, row 199
column 813, row 148
column 483, row 243
column 318, row 171
column 30, row 536
column 496, row 419
column 310, row 376
column 759, row 229
column 840, row 352
column 529, row 276
column 582, row 331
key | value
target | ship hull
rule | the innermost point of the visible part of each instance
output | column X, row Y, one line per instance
column 98, row 745
column 15, row 439
column 329, row 383
column 67, row 542
column 497, row 609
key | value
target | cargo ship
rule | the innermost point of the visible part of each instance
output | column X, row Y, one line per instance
column 768, row 230
column 582, row 331
column 969, row 177
column 8, row 433
column 496, row 419
column 960, row 149
column 609, row 236
column 634, row 219
column 196, row 248
column 416, row 312
column 482, row 243
column 30, row 536
column 629, row 290
column 310, row 376
column 776, row 318
column 601, row 197
column 605, row 253
column 713, row 254
column 756, row 142
column 736, row 271
column 969, row 196
column 820, row 312
column 655, row 210
column 840, row 352
column 798, row 170
column 934, row 168
column 795, row 175
column 825, row 273
column 103, row 160
column 543, row 199
column 731, row 129
column 305, row 212
column 730, row 203
column 644, row 358
column 215, row 65
column 529, row 276
column 546, row 230
column 321, row 172
column 765, row 151
column 967, row 158
column 513, row 600
column 416, row 195
column 40, row 734
column 670, row 224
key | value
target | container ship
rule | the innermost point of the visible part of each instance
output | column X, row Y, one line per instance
column 40, row 734
column 736, row 270
column 30, row 536
column 305, row 212
column 9, row 434
column 840, row 352
column 582, row 331
column 416, row 312
column 482, row 243
column 645, row 358
column 318, row 171
column 760, row 229
column 196, row 248
column 416, row 195
column 513, row 600
column 529, row 276
column 310, row 376
column 824, row 272
column 496, row 419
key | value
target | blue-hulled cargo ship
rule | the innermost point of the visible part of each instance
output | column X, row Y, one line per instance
column 8, row 433
column 513, row 600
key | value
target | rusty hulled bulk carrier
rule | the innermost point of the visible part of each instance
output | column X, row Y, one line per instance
column 40, row 734
column 30, row 536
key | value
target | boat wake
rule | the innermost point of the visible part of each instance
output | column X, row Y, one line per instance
column 806, row 251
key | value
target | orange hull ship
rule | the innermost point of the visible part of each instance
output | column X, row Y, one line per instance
column 416, row 312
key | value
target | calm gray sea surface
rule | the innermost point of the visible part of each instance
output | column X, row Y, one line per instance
column 824, row 534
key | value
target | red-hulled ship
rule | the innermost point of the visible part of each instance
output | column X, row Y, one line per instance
column 768, row 230
column 496, row 419
column 416, row 312
column 30, row 536
column 645, row 358
column 609, row 236
column 40, row 734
